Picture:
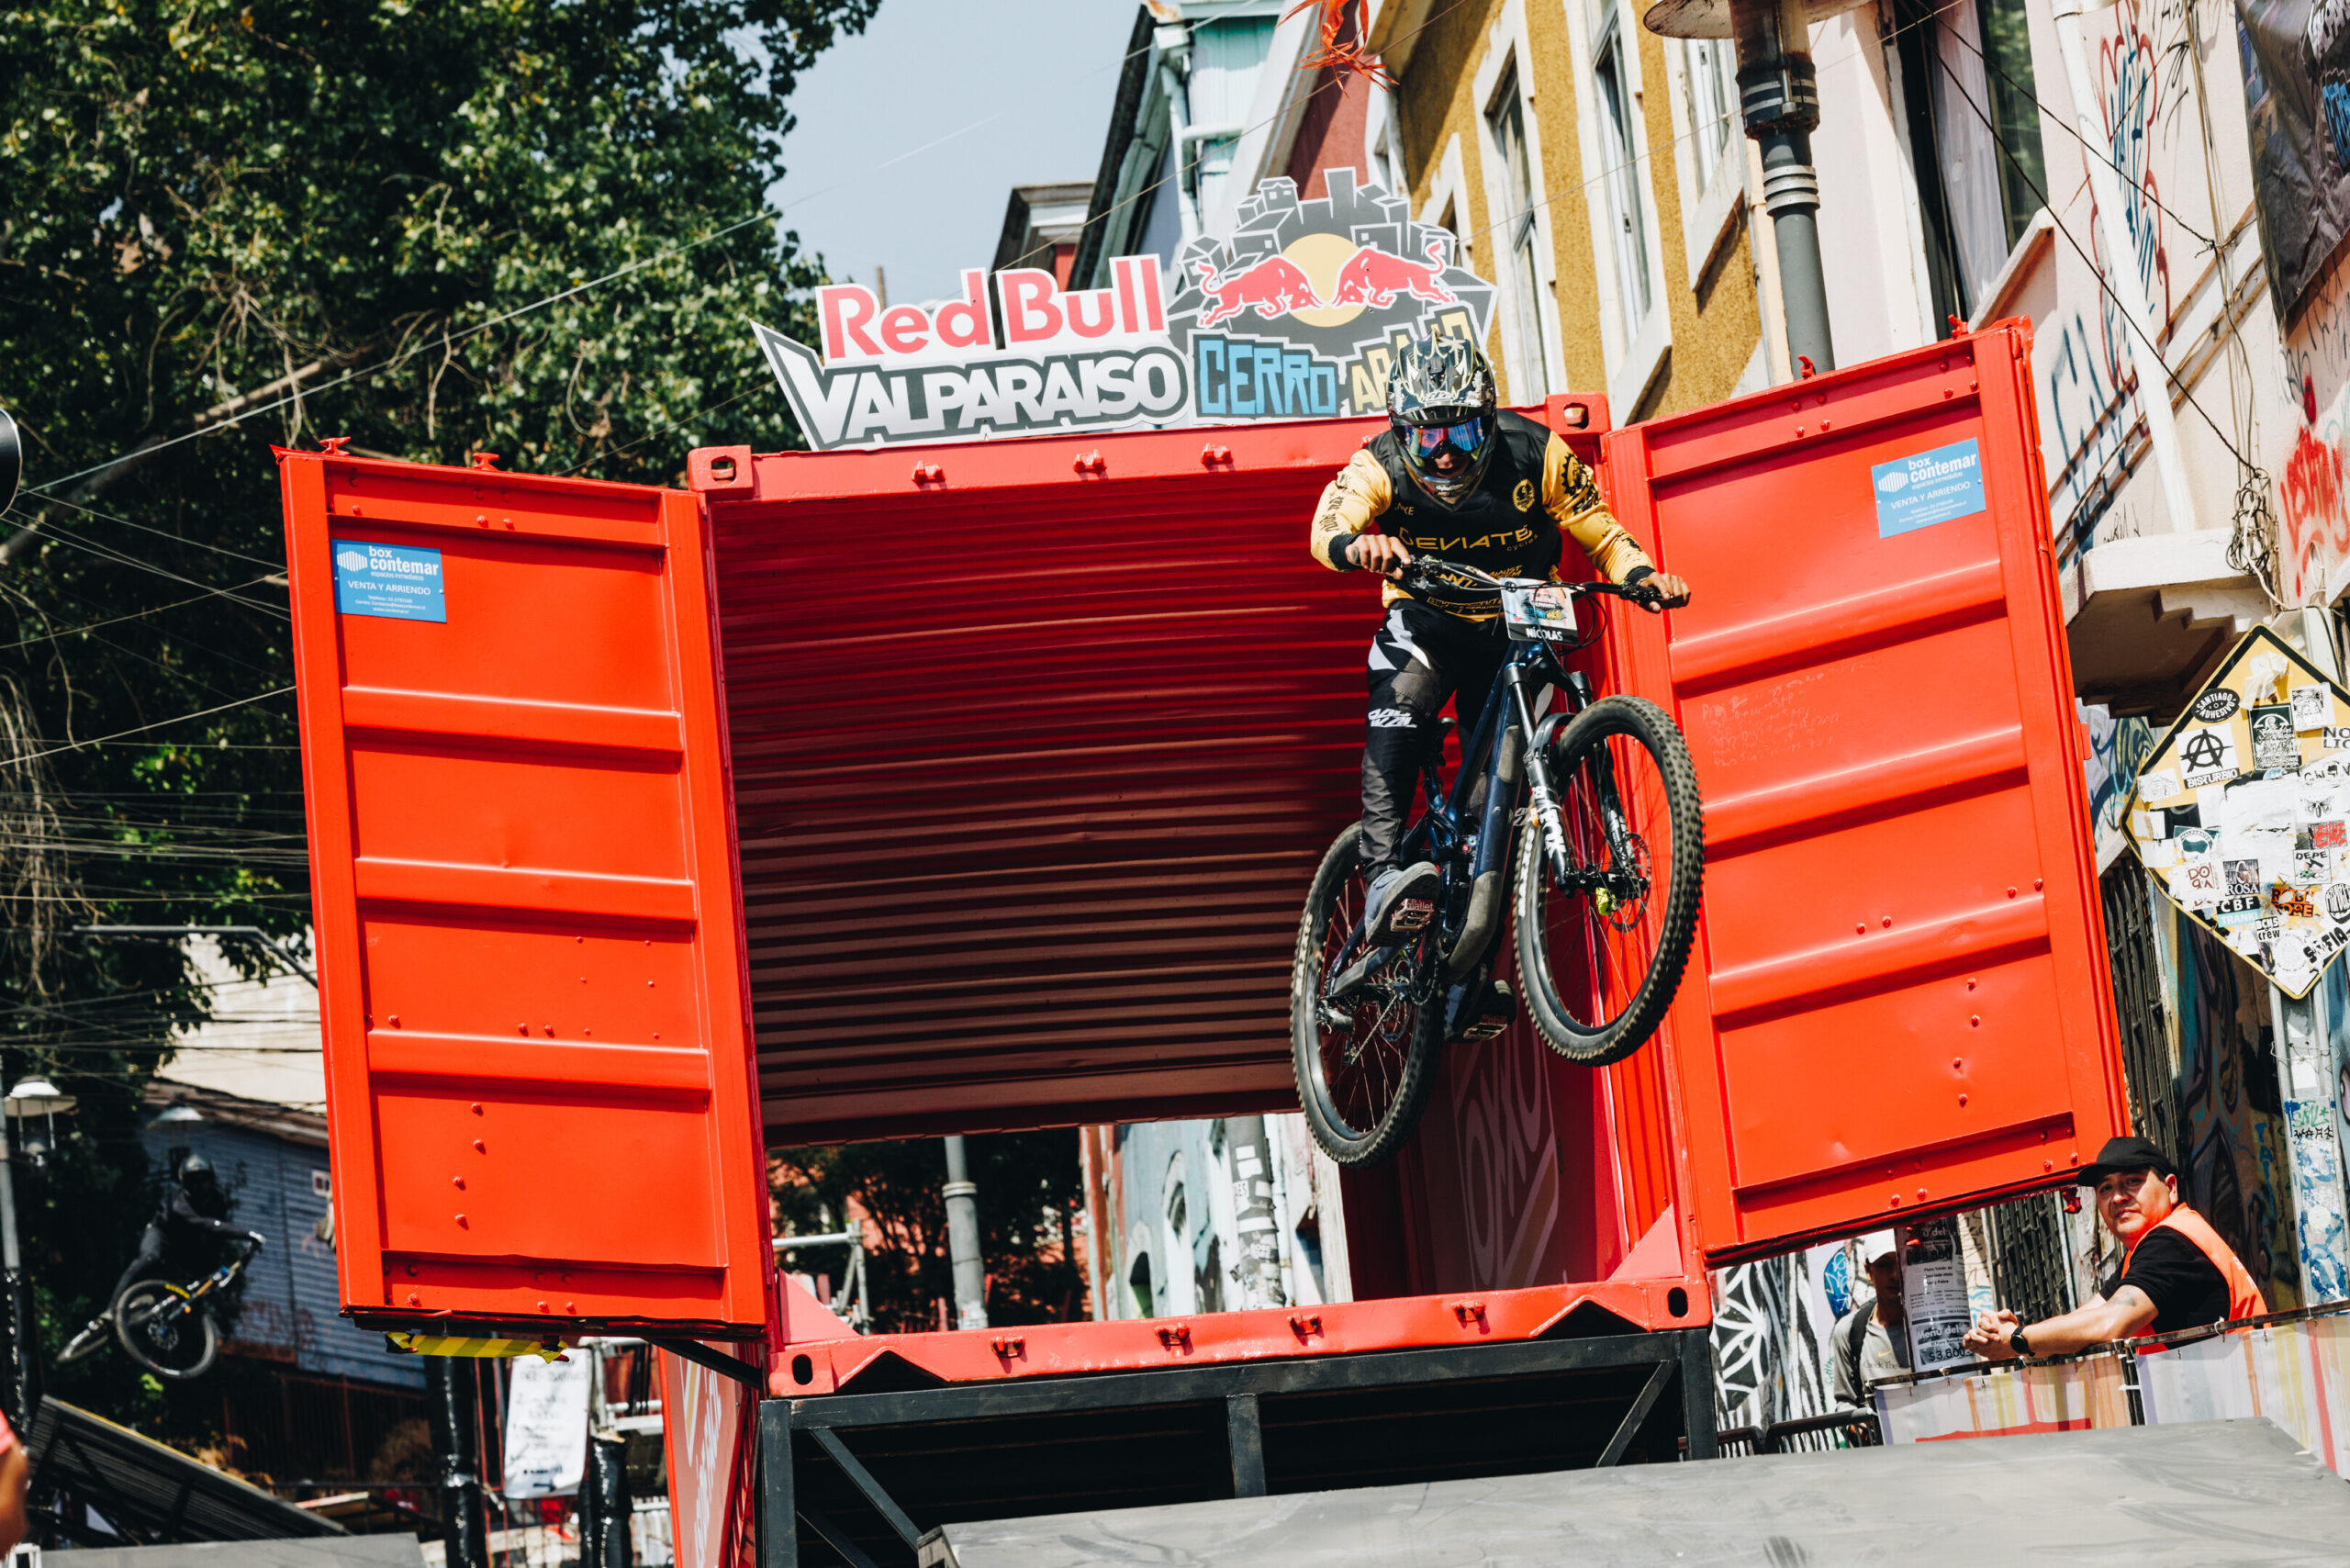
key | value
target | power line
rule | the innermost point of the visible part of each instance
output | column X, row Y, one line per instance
column 2104, row 287
column 114, row 619
column 166, row 533
column 2046, row 114
column 141, row 729
column 118, row 558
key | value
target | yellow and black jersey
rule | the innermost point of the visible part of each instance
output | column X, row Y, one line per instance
column 1534, row 491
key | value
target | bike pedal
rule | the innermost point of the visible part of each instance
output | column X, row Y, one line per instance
column 1411, row 915
column 1497, row 1010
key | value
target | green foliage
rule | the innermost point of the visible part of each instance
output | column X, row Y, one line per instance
column 1030, row 1191
column 212, row 205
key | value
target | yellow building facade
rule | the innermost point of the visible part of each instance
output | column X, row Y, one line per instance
column 1599, row 176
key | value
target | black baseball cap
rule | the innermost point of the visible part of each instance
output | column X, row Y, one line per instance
column 2126, row 1154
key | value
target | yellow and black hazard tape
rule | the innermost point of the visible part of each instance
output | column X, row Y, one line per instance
column 493, row 1349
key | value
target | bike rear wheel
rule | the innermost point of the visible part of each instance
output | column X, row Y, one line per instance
column 164, row 1332
column 1602, row 956
column 1363, row 1076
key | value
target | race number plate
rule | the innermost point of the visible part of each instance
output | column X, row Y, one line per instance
column 1543, row 614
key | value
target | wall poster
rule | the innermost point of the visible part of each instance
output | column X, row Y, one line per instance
column 2241, row 810
column 2296, row 56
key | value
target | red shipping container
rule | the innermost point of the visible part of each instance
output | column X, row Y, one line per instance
column 1033, row 746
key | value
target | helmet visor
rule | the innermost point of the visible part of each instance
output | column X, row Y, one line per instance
column 1467, row 438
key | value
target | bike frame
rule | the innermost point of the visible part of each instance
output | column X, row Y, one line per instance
column 1509, row 764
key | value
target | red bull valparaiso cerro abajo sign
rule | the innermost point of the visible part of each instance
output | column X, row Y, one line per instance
column 1295, row 315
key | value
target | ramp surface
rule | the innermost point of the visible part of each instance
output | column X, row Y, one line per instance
column 2202, row 1493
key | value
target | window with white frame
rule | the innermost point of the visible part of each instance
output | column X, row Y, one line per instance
column 1710, row 68
column 1627, row 223
column 1516, row 234
column 1707, row 156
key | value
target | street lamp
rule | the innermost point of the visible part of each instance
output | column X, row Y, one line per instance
column 38, row 1097
column 12, row 461
column 33, row 1097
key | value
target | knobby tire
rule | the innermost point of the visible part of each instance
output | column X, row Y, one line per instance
column 1340, row 876
column 1611, row 1039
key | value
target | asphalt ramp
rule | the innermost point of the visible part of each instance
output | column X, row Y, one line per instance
column 2199, row 1494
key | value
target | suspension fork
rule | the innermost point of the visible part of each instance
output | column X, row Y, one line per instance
column 1540, row 784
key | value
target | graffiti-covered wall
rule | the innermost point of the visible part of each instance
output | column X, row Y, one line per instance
column 1220, row 1215
column 2231, row 1111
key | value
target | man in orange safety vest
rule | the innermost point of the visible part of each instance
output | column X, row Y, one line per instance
column 2177, row 1272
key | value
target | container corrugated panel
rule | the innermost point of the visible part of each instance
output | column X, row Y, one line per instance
column 538, row 1075
column 1899, row 1001
column 1036, row 745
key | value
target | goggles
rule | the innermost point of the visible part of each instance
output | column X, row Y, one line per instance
column 1467, row 438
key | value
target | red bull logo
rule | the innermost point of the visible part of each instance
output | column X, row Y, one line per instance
column 1275, row 286
column 1373, row 277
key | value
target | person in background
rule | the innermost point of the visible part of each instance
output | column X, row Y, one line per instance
column 2177, row 1272
column 14, row 1474
column 187, row 1218
column 1872, row 1341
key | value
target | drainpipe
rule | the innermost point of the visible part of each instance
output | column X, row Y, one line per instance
column 2122, row 272
column 1778, row 94
column 1174, row 44
column 962, row 1196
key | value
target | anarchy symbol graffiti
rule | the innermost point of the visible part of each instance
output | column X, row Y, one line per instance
column 2204, row 750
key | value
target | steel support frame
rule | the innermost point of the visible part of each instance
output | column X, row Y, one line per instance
column 826, row 1418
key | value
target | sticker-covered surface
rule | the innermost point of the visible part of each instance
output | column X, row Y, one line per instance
column 2242, row 812
column 1928, row 487
column 398, row 582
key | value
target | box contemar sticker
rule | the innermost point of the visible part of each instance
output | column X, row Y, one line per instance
column 1928, row 487
column 395, row 581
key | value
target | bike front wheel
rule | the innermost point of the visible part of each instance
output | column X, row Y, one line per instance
column 1601, row 952
column 1364, row 1060
column 164, row 1332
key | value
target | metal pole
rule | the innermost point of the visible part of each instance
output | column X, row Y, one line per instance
column 2305, row 1074
column 1255, row 1215
column 1778, row 94
column 450, row 1380
column 963, row 1240
column 2121, row 273
column 12, row 1280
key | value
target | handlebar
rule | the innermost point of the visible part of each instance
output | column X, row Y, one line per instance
column 1428, row 572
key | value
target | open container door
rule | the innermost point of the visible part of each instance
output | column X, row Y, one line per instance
column 1899, row 1001
column 538, row 1071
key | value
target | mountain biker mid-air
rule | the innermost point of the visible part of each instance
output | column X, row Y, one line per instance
column 1453, row 478
column 187, row 1218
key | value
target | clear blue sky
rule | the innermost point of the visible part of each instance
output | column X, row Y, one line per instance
column 923, row 72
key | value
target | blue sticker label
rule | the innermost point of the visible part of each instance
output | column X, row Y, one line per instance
column 391, row 580
column 1928, row 487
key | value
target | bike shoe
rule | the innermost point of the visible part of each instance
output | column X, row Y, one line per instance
column 1401, row 901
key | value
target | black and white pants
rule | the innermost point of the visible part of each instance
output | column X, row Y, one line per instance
column 1419, row 657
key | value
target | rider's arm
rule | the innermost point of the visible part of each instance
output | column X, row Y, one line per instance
column 184, row 1213
column 1571, row 495
column 1350, row 503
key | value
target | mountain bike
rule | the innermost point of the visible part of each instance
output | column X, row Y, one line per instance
column 168, row 1329
column 1606, row 887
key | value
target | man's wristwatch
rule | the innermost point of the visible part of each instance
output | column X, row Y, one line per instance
column 2018, row 1344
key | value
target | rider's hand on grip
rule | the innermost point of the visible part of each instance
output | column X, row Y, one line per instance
column 1379, row 553
column 1660, row 591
